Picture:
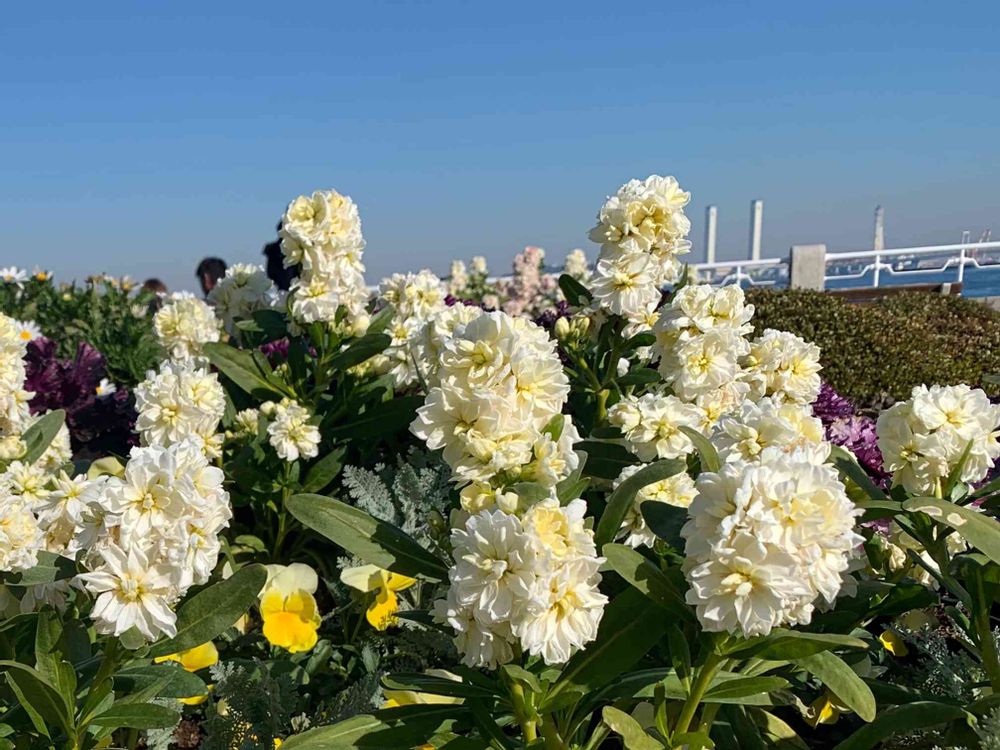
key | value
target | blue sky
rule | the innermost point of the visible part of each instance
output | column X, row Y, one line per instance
column 137, row 138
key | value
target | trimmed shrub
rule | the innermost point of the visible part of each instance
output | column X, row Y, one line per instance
column 875, row 353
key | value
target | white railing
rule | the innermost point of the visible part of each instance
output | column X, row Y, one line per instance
column 766, row 272
column 906, row 261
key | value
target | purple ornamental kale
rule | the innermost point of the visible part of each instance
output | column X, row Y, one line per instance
column 98, row 425
column 843, row 426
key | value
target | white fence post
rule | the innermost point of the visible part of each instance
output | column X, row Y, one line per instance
column 711, row 216
column 756, row 220
column 808, row 267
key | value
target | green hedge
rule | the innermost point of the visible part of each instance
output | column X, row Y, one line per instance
column 875, row 353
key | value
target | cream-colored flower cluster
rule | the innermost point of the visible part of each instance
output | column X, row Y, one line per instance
column 530, row 580
column 700, row 338
column 651, row 425
column 782, row 365
column 151, row 534
column 244, row 290
column 417, row 298
column 677, row 490
column 758, row 429
column 642, row 231
column 290, row 432
column 13, row 398
column 766, row 542
column 923, row 439
column 321, row 236
column 184, row 325
column 501, row 386
column 180, row 402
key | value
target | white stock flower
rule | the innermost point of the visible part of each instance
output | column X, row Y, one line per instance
column 500, row 384
column 923, row 439
column 178, row 402
column 759, row 428
column 677, row 490
column 291, row 434
column 703, row 363
column 783, row 365
column 765, row 541
column 651, row 425
column 20, row 536
column 533, row 580
column 184, row 325
column 577, row 265
column 132, row 593
column 626, row 283
column 242, row 291
column 644, row 217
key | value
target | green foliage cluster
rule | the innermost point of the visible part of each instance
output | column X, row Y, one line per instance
column 875, row 353
column 105, row 312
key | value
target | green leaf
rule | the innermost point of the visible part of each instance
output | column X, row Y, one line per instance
column 645, row 576
column 665, row 520
column 900, row 720
column 374, row 541
column 43, row 703
column 743, row 687
column 403, row 727
column 621, row 500
column 49, row 659
column 137, row 716
column 381, row 320
column 324, row 471
column 172, row 680
column 646, row 338
column 360, row 351
column 706, row 451
column 633, row 736
column 574, row 292
column 239, row 366
column 849, row 467
column 605, row 460
column 380, row 419
column 623, row 638
column 978, row 529
column 213, row 610
column 427, row 683
column 522, row 675
column 271, row 323
column 50, row 568
column 786, row 645
column 40, row 435
column 842, row 681
column 639, row 376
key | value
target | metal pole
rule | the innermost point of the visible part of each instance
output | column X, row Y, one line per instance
column 878, row 269
column 961, row 265
column 756, row 219
column 711, row 216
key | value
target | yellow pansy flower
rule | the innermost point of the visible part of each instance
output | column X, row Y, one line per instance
column 199, row 657
column 395, row 698
column 288, row 607
column 367, row 578
column 893, row 643
column 824, row 710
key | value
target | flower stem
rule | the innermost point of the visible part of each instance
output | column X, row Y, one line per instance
column 698, row 690
column 527, row 724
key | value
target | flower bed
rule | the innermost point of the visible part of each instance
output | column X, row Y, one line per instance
column 583, row 514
